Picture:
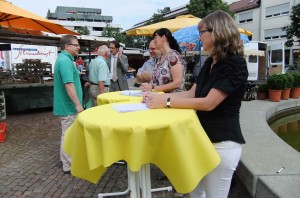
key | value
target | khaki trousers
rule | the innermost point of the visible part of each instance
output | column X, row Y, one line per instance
column 94, row 92
column 65, row 122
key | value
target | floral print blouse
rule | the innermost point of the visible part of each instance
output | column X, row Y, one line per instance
column 162, row 72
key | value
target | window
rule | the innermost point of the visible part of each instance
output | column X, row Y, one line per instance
column 246, row 17
column 97, row 28
column 278, row 10
column 276, row 33
column 296, row 58
column 253, row 59
column 77, row 27
column 276, row 56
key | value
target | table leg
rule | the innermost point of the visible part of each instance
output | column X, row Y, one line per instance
column 138, row 181
column 145, row 181
column 101, row 195
column 134, row 184
column 133, row 187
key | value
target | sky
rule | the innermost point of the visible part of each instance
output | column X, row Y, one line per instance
column 124, row 12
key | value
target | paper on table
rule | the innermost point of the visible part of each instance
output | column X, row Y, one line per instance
column 132, row 93
column 130, row 107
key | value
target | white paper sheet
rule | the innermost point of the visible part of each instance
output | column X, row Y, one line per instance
column 132, row 93
column 130, row 107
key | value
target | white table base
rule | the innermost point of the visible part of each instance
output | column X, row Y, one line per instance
column 139, row 185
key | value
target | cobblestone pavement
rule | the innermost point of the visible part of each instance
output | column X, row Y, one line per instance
column 30, row 165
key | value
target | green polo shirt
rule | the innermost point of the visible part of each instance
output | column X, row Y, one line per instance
column 65, row 72
column 98, row 71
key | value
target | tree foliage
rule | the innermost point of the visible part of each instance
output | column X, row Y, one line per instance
column 293, row 30
column 116, row 33
column 201, row 8
column 159, row 16
column 134, row 41
column 83, row 30
column 129, row 41
column 143, row 42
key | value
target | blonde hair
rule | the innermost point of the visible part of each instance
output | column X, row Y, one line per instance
column 225, row 33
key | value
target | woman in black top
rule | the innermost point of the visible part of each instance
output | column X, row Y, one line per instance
column 217, row 96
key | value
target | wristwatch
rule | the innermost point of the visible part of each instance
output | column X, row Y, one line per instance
column 169, row 103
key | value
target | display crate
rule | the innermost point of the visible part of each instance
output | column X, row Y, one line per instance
column 46, row 69
column 2, row 106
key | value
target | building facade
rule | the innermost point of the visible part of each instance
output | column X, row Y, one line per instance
column 74, row 18
column 266, row 18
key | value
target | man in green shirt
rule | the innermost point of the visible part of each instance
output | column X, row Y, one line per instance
column 99, row 75
column 67, row 90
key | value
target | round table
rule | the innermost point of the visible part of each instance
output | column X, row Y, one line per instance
column 172, row 139
column 115, row 97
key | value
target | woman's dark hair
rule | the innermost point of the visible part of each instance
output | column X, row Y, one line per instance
column 171, row 40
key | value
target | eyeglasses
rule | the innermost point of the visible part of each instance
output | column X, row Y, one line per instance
column 112, row 48
column 151, row 49
column 202, row 31
column 76, row 45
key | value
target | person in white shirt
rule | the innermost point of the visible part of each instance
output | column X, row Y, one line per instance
column 144, row 73
column 118, row 66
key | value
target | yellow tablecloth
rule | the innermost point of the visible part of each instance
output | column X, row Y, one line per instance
column 172, row 139
column 115, row 97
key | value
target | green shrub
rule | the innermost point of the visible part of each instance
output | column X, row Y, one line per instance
column 277, row 82
column 290, row 80
column 262, row 88
column 296, row 76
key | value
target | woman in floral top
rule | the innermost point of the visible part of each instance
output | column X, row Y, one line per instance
column 169, row 69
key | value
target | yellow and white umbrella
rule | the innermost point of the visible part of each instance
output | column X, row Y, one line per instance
column 172, row 24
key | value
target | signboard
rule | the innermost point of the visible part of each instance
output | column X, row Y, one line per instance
column 19, row 52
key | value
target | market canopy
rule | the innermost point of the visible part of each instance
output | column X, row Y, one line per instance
column 172, row 24
column 50, row 39
column 15, row 17
column 188, row 38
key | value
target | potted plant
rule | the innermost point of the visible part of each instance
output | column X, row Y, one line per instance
column 285, row 94
column 275, row 84
column 262, row 91
column 295, row 91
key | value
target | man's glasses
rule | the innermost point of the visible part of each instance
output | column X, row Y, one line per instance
column 202, row 31
column 151, row 49
column 76, row 45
